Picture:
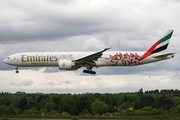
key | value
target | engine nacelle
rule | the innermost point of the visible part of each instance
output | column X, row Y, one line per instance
column 66, row 65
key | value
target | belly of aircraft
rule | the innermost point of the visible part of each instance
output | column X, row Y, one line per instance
column 36, row 64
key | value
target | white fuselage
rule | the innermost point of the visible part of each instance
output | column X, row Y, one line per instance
column 45, row 59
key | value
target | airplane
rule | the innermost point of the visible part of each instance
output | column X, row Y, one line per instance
column 76, row 60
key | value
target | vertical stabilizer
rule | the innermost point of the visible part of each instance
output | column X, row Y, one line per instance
column 160, row 45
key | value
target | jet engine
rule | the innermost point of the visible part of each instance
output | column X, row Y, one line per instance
column 66, row 65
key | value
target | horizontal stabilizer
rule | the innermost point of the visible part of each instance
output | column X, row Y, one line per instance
column 163, row 55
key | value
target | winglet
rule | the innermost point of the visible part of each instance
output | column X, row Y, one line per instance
column 106, row 49
column 160, row 45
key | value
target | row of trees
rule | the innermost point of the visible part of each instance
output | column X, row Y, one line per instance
column 148, row 102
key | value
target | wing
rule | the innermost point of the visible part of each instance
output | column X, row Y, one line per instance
column 90, row 59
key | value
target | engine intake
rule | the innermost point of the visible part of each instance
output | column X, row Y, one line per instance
column 66, row 65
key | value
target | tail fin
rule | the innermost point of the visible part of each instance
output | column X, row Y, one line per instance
column 160, row 45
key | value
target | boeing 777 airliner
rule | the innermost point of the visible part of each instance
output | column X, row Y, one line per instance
column 75, row 60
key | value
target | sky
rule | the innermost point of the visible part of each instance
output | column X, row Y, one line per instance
column 88, row 25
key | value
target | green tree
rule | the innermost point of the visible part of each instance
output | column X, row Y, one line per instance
column 178, row 109
column 42, row 111
column 106, row 98
column 176, row 100
column 74, row 111
column 67, row 104
column 56, row 99
column 42, row 103
column 3, row 109
column 15, row 101
column 137, row 105
column 146, row 100
column 31, row 111
column 140, row 92
column 40, row 97
column 82, row 103
column 11, row 110
column 30, row 103
column 65, row 114
column 99, row 107
column 49, row 106
column 23, row 104
column 97, row 95
column 84, row 112
column 126, row 105
column 5, row 100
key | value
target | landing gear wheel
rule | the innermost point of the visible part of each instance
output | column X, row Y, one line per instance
column 89, row 72
column 93, row 72
column 16, row 71
column 84, row 71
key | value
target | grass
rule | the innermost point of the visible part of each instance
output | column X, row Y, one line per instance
column 154, row 117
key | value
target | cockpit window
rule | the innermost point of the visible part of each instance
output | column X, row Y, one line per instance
column 8, row 57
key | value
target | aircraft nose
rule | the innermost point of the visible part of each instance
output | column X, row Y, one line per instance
column 5, row 60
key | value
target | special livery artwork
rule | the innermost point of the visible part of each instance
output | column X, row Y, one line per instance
column 125, row 58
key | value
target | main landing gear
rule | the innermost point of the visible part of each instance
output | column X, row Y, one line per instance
column 89, row 72
column 89, row 69
column 17, row 71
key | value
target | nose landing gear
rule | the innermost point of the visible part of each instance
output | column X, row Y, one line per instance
column 17, row 71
